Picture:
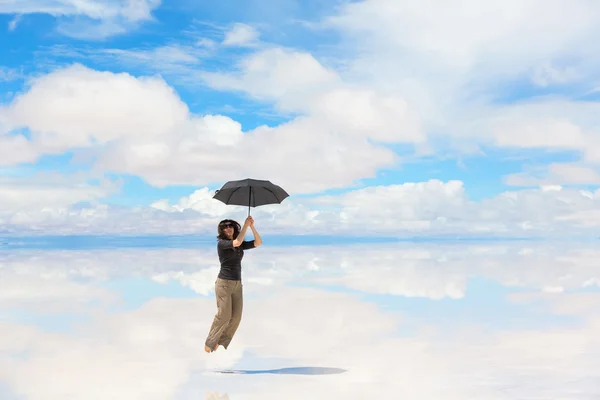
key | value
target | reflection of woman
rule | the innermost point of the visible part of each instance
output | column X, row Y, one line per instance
column 228, row 286
column 216, row 396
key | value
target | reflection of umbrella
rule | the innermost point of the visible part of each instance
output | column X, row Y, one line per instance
column 251, row 193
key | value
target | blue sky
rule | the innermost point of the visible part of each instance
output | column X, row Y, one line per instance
column 382, row 119
column 386, row 126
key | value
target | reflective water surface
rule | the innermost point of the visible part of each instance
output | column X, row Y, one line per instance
column 409, row 320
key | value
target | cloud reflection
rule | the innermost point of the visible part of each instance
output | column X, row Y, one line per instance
column 217, row 396
column 367, row 310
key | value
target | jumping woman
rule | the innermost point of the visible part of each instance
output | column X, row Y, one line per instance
column 228, row 286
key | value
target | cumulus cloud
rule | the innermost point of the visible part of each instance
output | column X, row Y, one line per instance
column 45, row 199
column 140, row 126
column 440, row 91
column 274, row 74
column 545, row 124
column 431, row 208
column 462, row 84
column 297, row 82
column 435, row 85
column 343, row 121
column 394, row 108
column 77, row 106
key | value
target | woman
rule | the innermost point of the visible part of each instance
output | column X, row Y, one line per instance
column 228, row 286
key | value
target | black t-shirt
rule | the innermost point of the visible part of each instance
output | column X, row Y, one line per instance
column 231, row 258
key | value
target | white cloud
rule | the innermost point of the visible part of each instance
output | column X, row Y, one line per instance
column 16, row 150
column 550, row 124
column 241, row 35
column 437, row 85
column 77, row 106
column 458, row 83
column 43, row 200
column 133, row 10
column 429, row 208
column 512, row 37
column 434, row 207
column 278, row 74
column 440, row 88
column 201, row 200
column 442, row 82
column 165, row 144
column 86, row 108
column 105, row 18
column 296, row 82
column 557, row 174
column 444, row 31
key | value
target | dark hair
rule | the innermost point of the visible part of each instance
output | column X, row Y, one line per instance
column 236, row 229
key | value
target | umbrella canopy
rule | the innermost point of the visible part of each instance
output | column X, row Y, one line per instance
column 251, row 193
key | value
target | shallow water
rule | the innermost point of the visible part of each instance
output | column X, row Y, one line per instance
column 493, row 320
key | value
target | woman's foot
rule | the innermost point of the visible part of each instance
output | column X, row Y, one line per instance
column 208, row 350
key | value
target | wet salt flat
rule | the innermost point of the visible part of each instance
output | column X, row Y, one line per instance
column 516, row 320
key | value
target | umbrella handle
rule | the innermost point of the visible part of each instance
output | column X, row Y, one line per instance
column 249, row 199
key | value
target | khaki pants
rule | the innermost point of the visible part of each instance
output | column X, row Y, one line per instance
column 229, row 313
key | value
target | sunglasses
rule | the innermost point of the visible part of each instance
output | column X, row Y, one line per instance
column 225, row 226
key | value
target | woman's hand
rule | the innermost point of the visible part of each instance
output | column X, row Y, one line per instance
column 249, row 221
column 257, row 238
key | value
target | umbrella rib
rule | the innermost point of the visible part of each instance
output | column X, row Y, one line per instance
column 270, row 191
column 233, row 192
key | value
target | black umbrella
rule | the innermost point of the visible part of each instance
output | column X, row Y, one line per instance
column 251, row 193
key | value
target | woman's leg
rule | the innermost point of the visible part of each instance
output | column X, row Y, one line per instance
column 223, row 290
column 237, row 306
